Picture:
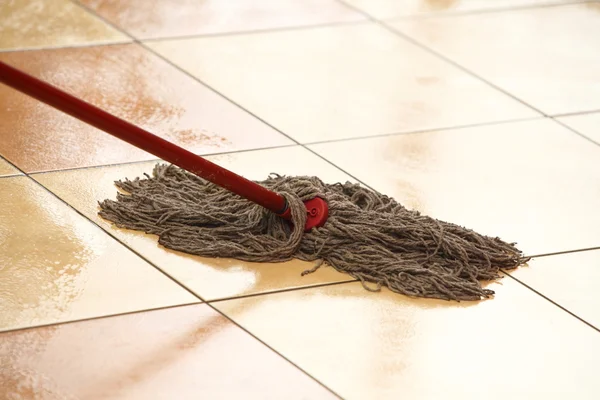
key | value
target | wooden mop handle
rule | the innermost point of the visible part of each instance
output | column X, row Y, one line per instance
column 142, row 139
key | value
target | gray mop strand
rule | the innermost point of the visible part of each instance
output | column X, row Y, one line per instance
column 368, row 236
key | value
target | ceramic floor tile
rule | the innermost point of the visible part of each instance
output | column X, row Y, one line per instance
column 209, row 278
column 51, row 23
column 184, row 353
column 164, row 18
column 535, row 183
column 55, row 266
column 366, row 345
column 7, row 169
column 570, row 280
column 586, row 124
column 392, row 8
column 340, row 82
column 546, row 56
column 133, row 84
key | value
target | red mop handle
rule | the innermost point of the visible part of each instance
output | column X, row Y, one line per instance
column 142, row 139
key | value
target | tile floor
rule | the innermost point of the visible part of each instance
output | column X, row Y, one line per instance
column 481, row 112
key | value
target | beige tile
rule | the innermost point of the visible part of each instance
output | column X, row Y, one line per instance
column 7, row 169
column 209, row 278
column 366, row 345
column 570, row 280
column 394, row 8
column 180, row 353
column 51, row 23
column 340, row 82
column 535, row 182
column 586, row 124
column 546, row 57
column 164, row 18
column 131, row 83
column 55, row 266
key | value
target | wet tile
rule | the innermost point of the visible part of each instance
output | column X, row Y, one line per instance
column 392, row 8
column 7, row 169
column 366, row 345
column 564, row 38
column 586, row 124
column 570, row 280
column 162, row 18
column 51, row 23
column 184, row 352
column 535, row 183
column 209, row 278
column 55, row 266
column 130, row 82
column 340, row 82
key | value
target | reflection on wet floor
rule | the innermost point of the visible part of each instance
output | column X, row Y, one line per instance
column 131, row 83
column 55, row 266
column 192, row 351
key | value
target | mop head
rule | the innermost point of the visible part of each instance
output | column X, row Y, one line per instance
column 368, row 236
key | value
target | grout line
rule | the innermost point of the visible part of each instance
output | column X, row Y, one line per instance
column 575, row 131
column 564, row 252
column 180, row 37
column 427, row 130
column 252, row 32
column 73, row 321
column 575, row 113
column 508, row 273
column 74, row 46
column 553, row 302
column 153, row 160
column 10, row 174
column 285, row 290
column 341, row 169
column 18, row 172
column 459, row 13
column 12, row 164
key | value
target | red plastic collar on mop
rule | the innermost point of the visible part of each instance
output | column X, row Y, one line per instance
column 317, row 209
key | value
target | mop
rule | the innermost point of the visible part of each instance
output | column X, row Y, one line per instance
column 197, row 207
